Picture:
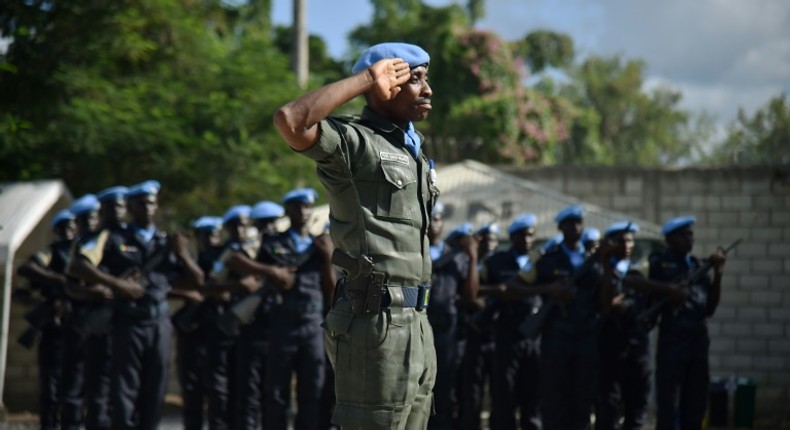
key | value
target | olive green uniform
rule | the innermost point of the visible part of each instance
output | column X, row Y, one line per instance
column 380, row 199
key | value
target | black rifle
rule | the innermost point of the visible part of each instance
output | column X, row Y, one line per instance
column 646, row 318
column 97, row 320
column 243, row 311
column 532, row 325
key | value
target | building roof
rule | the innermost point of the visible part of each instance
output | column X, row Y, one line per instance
column 474, row 192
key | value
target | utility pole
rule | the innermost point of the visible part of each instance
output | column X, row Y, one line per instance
column 299, row 55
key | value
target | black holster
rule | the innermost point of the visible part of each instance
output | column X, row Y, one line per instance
column 365, row 287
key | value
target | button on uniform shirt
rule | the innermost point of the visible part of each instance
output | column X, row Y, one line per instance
column 380, row 197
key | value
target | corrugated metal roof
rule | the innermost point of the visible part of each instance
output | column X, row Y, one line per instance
column 22, row 206
column 476, row 193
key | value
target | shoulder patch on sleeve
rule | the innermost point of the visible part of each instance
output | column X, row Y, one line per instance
column 93, row 248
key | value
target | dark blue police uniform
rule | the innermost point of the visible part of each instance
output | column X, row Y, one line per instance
column 449, row 272
column 50, row 348
column 516, row 358
column 296, row 337
column 682, row 376
column 142, row 330
column 569, row 348
column 624, row 379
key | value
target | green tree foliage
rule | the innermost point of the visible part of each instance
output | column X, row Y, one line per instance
column 101, row 93
column 625, row 124
column 323, row 67
column 543, row 48
column 763, row 138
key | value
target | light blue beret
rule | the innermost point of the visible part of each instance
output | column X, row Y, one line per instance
column 492, row 228
column 621, row 227
column 522, row 222
column 571, row 212
column 677, row 223
column 236, row 212
column 207, row 223
column 63, row 215
column 85, row 204
column 438, row 209
column 301, row 195
column 591, row 233
column 554, row 241
column 464, row 229
column 411, row 54
column 147, row 188
column 266, row 209
column 113, row 193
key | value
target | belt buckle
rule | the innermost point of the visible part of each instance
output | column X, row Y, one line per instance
column 423, row 296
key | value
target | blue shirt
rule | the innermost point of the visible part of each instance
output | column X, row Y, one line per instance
column 301, row 244
column 576, row 256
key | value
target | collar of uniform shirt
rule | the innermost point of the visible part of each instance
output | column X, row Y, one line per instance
column 144, row 234
column 301, row 243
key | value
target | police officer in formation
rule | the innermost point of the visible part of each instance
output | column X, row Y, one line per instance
column 46, row 272
column 454, row 278
column 592, row 355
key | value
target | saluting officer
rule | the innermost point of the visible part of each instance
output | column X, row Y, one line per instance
column 516, row 358
column 624, row 345
column 46, row 272
column 139, row 264
column 454, row 277
column 682, row 372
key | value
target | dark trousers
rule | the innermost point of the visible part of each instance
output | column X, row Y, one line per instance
column 477, row 365
column 295, row 348
column 72, row 380
column 446, row 369
column 568, row 373
column 624, row 380
column 515, row 382
column 141, row 352
column 98, row 381
column 191, row 363
column 50, row 358
column 219, row 378
column 682, row 378
column 251, row 353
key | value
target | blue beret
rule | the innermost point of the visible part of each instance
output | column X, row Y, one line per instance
column 621, row 227
column 554, row 241
column 522, row 222
column 302, row 195
column 64, row 215
column 571, row 212
column 236, row 212
column 677, row 223
column 147, row 188
column 113, row 193
column 438, row 209
column 411, row 54
column 85, row 204
column 464, row 229
column 591, row 233
column 266, row 209
column 492, row 228
column 207, row 223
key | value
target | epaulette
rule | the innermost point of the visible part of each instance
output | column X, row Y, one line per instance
column 347, row 118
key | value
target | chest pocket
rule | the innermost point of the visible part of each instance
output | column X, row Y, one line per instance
column 397, row 191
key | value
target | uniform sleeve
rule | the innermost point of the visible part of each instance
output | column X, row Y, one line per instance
column 329, row 141
column 92, row 248
column 43, row 257
column 531, row 275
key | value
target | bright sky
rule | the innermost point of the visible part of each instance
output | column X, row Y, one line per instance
column 721, row 54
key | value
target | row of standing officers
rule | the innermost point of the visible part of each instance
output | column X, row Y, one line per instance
column 105, row 344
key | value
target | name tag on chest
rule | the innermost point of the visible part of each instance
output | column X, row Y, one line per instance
column 394, row 157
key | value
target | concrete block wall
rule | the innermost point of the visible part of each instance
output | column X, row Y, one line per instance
column 750, row 332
